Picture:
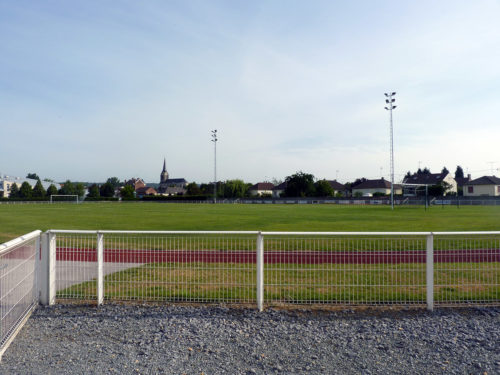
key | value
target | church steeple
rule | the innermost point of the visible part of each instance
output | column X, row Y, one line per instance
column 164, row 173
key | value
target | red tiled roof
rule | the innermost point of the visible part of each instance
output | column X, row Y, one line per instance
column 262, row 186
column 146, row 190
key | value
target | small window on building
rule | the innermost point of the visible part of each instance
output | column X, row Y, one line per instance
column 470, row 189
column 498, row 189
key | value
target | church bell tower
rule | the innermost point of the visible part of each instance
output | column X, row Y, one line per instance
column 164, row 173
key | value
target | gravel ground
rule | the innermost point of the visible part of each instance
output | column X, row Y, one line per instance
column 131, row 339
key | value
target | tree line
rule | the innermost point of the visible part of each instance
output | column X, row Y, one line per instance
column 299, row 184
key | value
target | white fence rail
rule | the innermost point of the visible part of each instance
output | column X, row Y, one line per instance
column 275, row 268
column 18, row 284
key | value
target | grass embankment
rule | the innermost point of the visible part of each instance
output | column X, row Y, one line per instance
column 19, row 219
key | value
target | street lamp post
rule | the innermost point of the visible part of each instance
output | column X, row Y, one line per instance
column 390, row 106
column 214, row 140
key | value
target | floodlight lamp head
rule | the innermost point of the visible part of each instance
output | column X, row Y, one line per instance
column 394, row 107
column 386, row 94
column 394, row 93
column 387, row 100
column 386, row 108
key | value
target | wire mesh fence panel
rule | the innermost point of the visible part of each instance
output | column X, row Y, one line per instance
column 467, row 269
column 18, row 283
column 76, row 266
column 344, row 270
column 297, row 268
column 180, row 267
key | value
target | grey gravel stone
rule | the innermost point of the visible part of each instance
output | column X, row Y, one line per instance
column 172, row 339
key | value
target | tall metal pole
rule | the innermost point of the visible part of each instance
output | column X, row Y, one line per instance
column 390, row 100
column 214, row 140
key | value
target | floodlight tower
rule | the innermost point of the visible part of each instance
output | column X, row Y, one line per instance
column 214, row 140
column 390, row 106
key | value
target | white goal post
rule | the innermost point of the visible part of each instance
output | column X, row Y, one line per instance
column 66, row 196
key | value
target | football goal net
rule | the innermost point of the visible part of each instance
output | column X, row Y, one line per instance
column 66, row 198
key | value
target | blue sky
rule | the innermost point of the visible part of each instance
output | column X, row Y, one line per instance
column 93, row 89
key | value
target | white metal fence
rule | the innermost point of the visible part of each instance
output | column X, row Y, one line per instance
column 274, row 268
column 18, row 284
column 262, row 268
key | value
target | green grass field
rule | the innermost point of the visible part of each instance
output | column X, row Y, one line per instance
column 18, row 219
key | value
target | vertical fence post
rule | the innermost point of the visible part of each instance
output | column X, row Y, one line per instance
column 429, row 262
column 48, row 269
column 100, row 268
column 38, row 266
column 260, row 271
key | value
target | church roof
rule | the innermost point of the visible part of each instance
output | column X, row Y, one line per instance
column 175, row 180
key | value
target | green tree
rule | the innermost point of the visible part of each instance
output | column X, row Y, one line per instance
column 235, row 189
column 33, row 176
column 459, row 173
column 300, row 184
column 114, row 181
column 14, row 191
column 207, row 189
column 445, row 170
column 127, row 192
column 80, row 189
column 68, row 188
column 25, row 191
column 52, row 190
column 39, row 190
column 193, row 189
column 107, row 190
column 94, row 191
column 324, row 189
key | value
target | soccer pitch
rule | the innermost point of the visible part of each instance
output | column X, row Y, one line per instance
column 18, row 219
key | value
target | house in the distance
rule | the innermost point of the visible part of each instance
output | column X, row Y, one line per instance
column 140, row 187
column 261, row 188
column 370, row 187
column 483, row 186
column 461, row 181
column 145, row 190
column 434, row 181
column 337, row 187
column 171, row 186
column 279, row 189
column 136, row 183
column 6, row 183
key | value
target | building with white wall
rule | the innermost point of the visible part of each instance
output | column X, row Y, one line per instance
column 6, row 183
column 482, row 186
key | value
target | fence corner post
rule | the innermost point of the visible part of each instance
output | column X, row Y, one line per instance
column 429, row 268
column 100, row 268
column 260, row 271
column 48, row 269
column 38, row 266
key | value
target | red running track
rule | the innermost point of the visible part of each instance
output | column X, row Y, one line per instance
column 272, row 257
